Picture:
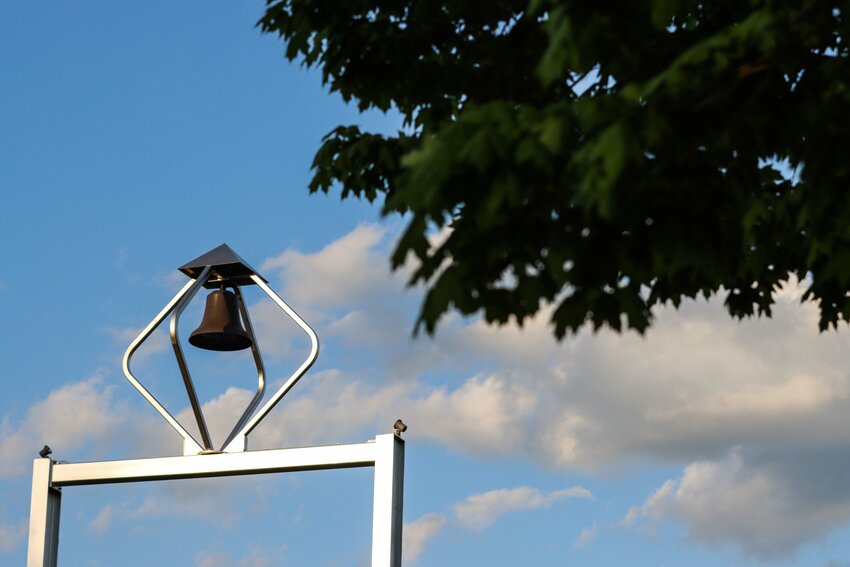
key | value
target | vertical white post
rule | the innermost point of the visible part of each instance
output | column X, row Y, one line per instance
column 44, row 516
column 387, row 508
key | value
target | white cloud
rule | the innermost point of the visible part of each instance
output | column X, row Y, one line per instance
column 480, row 511
column 800, row 393
column 277, row 335
column 78, row 414
column 419, row 532
column 220, row 413
column 482, row 415
column 760, row 503
column 696, row 385
column 697, row 382
column 12, row 536
column 651, row 509
column 102, row 521
column 587, row 536
column 353, row 267
column 327, row 407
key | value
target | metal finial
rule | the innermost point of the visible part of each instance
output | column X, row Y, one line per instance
column 399, row 427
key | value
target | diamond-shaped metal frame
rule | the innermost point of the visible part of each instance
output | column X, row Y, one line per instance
column 220, row 266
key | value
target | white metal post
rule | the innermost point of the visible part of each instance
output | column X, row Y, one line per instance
column 388, row 500
column 44, row 516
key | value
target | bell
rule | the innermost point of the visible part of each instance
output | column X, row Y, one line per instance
column 221, row 329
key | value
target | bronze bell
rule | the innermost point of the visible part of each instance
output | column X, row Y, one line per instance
column 221, row 329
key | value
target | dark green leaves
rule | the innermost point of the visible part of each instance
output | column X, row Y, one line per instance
column 601, row 158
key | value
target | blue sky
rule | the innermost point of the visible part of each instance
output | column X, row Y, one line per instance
column 134, row 137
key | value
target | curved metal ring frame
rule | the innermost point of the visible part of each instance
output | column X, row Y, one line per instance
column 236, row 441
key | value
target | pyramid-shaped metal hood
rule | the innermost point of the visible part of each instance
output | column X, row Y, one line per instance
column 225, row 263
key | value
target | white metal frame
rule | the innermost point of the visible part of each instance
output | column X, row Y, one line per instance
column 385, row 454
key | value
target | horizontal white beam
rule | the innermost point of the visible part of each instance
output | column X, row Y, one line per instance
column 219, row 464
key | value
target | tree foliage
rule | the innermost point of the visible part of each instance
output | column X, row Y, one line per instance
column 598, row 157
